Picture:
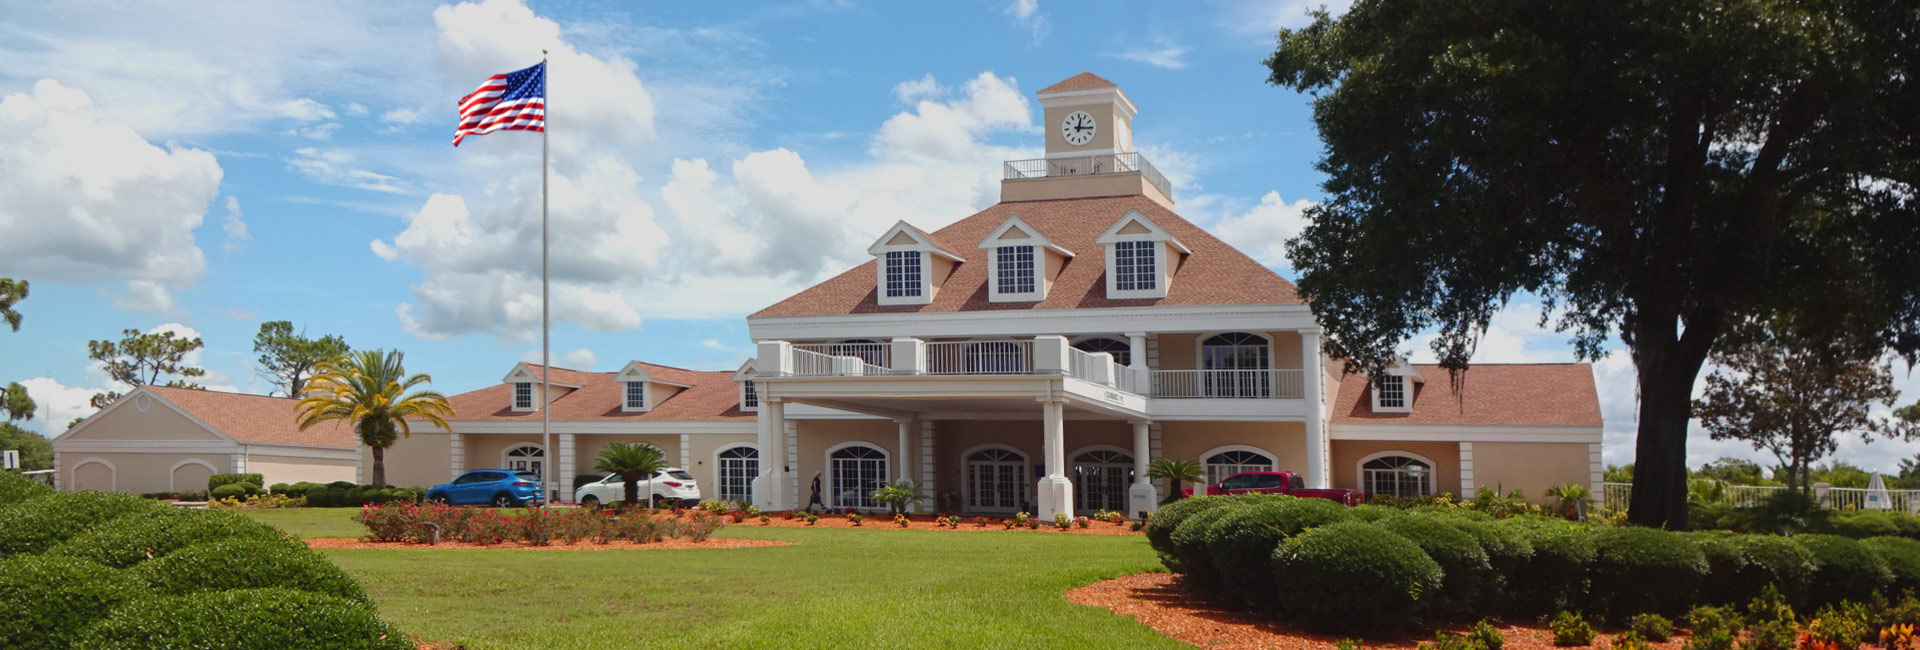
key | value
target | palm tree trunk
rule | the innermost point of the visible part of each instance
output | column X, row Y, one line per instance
column 379, row 468
column 630, row 496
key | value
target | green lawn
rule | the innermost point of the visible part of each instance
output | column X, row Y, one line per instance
column 836, row 589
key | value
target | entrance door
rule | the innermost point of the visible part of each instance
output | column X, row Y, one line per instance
column 527, row 458
column 996, row 481
column 1100, row 480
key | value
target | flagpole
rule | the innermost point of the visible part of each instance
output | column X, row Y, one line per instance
column 546, row 363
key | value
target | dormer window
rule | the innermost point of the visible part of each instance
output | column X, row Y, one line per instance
column 1392, row 394
column 1023, row 262
column 523, row 396
column 1133, row 265
column 1014, row 268
column 903, row 274
column 749, row 396
column 636, row 395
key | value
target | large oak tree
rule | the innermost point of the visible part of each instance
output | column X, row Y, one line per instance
column 1656, row 170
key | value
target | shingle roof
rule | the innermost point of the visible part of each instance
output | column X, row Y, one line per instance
column 1547, row 394
column 712, row 396
column 1082, row 81
column 255, row 418
column 1215, row 274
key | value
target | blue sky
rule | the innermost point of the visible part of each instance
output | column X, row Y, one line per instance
column 210, row 166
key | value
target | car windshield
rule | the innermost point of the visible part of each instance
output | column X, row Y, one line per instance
column 680, row 474
column 526, row 476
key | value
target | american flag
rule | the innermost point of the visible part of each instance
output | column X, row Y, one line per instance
column 515, row 101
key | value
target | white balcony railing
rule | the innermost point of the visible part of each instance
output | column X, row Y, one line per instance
column 1006, row 357
column 1112, row 163
column 1227, row 384
column 879, row 354
column 807, row 363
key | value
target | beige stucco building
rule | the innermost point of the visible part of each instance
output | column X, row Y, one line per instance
column 160, row 439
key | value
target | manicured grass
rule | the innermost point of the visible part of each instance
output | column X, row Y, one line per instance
column 312, row 522
column 835, row 589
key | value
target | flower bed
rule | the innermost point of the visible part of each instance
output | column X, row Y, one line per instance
column 584, row 545
column 1076, row 526
column 433, row 523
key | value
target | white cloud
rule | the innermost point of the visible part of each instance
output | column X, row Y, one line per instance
column 356, row 109
column 1027, row 15
column 146, row 297
column 402, row 115
column 915, row 90
column 88, row 199
column 60, row 404
column 1262, row 19
column 575, row 359
column 1263, row 230
column 949, row 130
column 1157, row 52
column 235, row 226
column 336, row 167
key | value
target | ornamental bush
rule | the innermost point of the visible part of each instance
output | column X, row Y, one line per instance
column 214, row 482
column 1190, row 541
column 318, row 497
column 243, row 619
column 1724, row 562
column 1507, row 551
column 1645, row 570
column 1467, row 570
column 1771, row 560
column 247, row 564
column 138, row 539
column 1240, row 544
column 1844, row 569
column 1556, row 573
column 15, row 488
column 1358, row 576
column 45, row 601
column 1902, row 556
column 1875, row 523
column 33, row 525
column 229, row 491
column 1160, row 526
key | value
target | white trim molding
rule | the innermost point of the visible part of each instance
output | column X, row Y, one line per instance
column 1465, row 433
column 1032, row 322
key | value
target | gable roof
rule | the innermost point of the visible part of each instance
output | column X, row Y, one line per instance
column 1215, row 274
column 254, row 418
column 710, row 395
column 1492, row 394
column 1082, row 81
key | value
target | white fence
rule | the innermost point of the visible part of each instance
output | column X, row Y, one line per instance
column 1618, row 495
column 1007, row 357
column 1227, row 383
column 807, row 363
column 879, row 354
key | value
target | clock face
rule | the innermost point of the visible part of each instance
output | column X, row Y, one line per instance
column 1077, row 129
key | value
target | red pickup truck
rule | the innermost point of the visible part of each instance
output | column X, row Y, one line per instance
column 1287, row 483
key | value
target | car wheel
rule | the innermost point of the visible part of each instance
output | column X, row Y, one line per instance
column 438, row 498
column 590, row 501
column 503, row 500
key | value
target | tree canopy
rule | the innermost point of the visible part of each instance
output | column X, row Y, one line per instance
column 11, row 291
column 36, row 452
column 371, row 391
column 1655, row 170
column 143, row 358
column 287, row 359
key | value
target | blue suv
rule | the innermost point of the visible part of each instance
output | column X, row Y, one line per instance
column 500, row 488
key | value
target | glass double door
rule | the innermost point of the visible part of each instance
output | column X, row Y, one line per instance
column 1100, row 480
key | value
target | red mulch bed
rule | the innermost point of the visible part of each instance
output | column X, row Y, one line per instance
column 1163, row 602
column 883, row 522
column 616, row 545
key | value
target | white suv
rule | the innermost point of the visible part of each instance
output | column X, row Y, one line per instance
column 671, row 486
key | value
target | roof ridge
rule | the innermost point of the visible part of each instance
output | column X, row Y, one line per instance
column 215, row 392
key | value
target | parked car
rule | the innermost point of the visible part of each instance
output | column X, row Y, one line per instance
column 670, row 487
column 500, row 488
column 1287, row 483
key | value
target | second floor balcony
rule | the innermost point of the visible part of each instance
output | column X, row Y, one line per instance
column 1040, row 356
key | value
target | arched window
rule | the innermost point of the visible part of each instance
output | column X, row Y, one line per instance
column 1100, row 480
column 1236, row 365
column 738, row 466
column 996, row 480
column 1391, row 474
column 1235, row 461
column 525, row 458
column 1121, row 351
column 857, row 470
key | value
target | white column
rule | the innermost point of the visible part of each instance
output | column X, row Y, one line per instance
column 1310, row 379
column 1141, row 497
column 563, row 454
column 1055, row 490
column 769, row 488
column 909, row 355
column 1050, row 355
column 926, row 469
column 903, row 460
column 1137, row 350
column 456, row 454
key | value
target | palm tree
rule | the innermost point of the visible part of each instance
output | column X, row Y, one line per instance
column 632, row 461
column 1573, row 499
column 370, row 391
column 1176, row 472
column 900, row 496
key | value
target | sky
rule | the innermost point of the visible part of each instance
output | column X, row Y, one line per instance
column 204, row 167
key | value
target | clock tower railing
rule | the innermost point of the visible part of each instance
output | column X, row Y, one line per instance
column 1107, row 163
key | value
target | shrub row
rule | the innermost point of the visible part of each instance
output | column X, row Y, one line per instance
column 106, row 570
column 1376, row 566
column 347, row 495
column 1793, row 513
column 418, row 523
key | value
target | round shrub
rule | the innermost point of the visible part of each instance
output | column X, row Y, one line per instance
column 15, row 488
column 1354, row 575
column 1637, row 570
column 1844, row 570
column 229, row 491
column 247, row 564
column 1240, row 544
column 35, row 524
column 1724, row 562
column 1190, row 541
column 1556, row 573
column 243, row 619
column 1867, row 523
column 1772, row 560
column 132, row 540
column 317, row 497
column 1467, row 570
column 1371, row 513
column 1160, row 526
column 337, row 497
column 280, row 488
column 45, row 601
column 1902, row 556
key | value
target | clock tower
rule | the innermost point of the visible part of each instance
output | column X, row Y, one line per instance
column 1088, row 124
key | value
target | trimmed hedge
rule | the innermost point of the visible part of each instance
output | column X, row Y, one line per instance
column 45, row 601
column 1556, row 574
column 354, row 496
column 243, row 619
column 1844, row 569
column 1724, row 562
column 214, row 482
column 1357, row 576
column 246, row 564
column 135, row 541
column 15, row 488
column 1468, row 571
column 230, row 491
column 1160, row 526
column 32, row 526
column 1189, row 541
column 1240, row 544
column 1507, row 551
column 1771, row 560
column 1902, row 556
column 1638, row 570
